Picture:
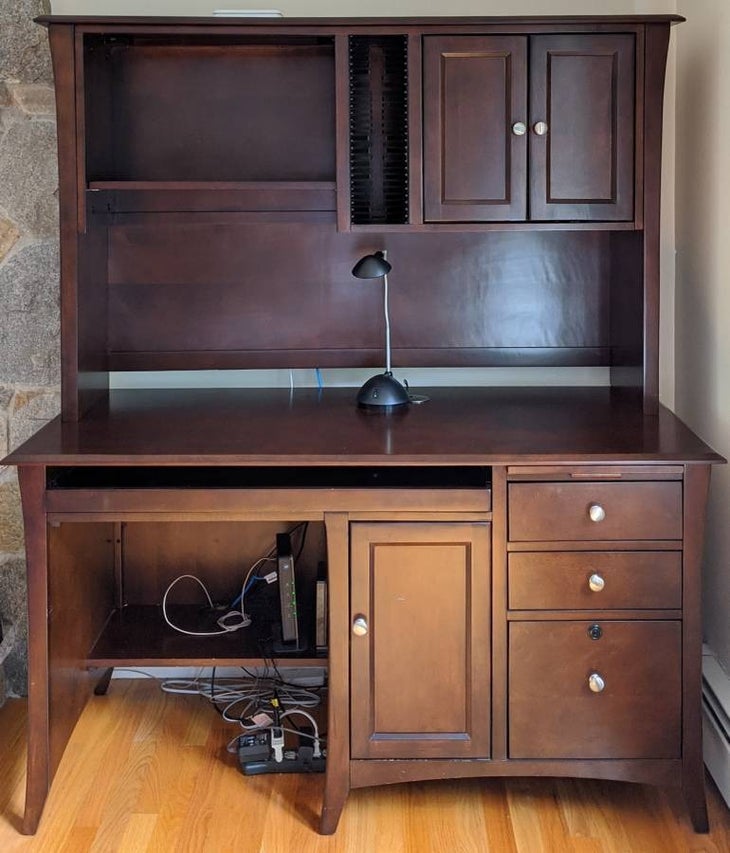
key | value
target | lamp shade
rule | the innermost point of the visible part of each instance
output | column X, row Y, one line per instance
column 372, row 266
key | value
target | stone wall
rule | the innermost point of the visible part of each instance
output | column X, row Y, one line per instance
column 29, row 317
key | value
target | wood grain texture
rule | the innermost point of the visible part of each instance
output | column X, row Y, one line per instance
column 148, row 772
column 554, row 714
column 39, row 776
column 337, row 781
column 550, row 511
column 583, row 167
column 560, row 581
column 696, row 486
column 435, row 579
column 475, row 168
column 458, row 426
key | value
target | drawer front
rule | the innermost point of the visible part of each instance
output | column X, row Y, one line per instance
column 554, row 713
column 590, row 580
column 598, row 511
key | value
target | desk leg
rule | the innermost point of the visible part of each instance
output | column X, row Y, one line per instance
column 32, row 489
column 70, row 570
column 696, row 484
column 337, row 781
column 102, row 685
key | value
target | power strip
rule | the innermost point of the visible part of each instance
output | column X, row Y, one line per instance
column 258, row 756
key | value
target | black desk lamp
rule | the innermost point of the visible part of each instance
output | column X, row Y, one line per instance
column 381, row 393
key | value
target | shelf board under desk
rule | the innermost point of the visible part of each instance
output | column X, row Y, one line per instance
column 138, row 636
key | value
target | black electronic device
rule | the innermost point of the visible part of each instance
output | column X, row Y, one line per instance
column 264, row 752
column 287, row 590
column 254, row 747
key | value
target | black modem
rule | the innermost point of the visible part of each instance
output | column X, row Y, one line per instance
column 287, row 590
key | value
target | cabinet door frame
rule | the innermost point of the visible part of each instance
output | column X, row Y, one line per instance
column 439, row 55
column 546, row 201
column 473, row 740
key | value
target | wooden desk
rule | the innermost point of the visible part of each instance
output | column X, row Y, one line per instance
column 525, row 562
column 460, row 529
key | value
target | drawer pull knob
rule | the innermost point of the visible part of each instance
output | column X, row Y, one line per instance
column 519, row 128
column 540, row 128
column 595, row 632
column 596, row 512
column 360, row 626
column 596, row 583
column 596, row 683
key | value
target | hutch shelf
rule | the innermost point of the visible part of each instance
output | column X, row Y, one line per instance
column 535, row 551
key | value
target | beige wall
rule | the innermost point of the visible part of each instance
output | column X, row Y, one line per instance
column 702, row 321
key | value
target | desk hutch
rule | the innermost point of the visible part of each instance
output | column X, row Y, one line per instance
column 524, row 562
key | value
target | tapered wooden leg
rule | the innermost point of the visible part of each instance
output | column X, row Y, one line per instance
column 35, row 799
column 334, row 801
column 693, row 788
column 32, row 489
column 102, row 685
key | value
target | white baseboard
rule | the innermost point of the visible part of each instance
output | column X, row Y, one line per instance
column 716, row 721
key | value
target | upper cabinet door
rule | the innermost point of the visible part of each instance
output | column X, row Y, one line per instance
column 475, row 112
column 582, row 127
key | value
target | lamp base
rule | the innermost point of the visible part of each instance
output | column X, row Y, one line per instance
column 382, row 393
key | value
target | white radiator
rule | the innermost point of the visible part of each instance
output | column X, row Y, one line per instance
column 716, row 721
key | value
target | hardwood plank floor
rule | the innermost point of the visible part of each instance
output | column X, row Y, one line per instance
column 147, row 771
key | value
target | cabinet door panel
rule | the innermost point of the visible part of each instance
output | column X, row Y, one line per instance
column 420, row 677
column 475, row 88
column 583, row 166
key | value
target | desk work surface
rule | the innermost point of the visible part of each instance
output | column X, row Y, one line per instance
column 466, row 426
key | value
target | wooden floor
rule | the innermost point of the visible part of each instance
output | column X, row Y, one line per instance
column 147, row 771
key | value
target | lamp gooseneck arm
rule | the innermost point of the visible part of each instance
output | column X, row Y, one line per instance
column 387, row 324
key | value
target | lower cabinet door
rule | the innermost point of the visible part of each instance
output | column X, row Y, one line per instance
column 600, row 689
column 420, row 641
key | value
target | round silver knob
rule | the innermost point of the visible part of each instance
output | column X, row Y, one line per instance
column 596, row 583
column 519, row 128
column 596, row 512
column 360, row 626
column 596, row 683
column 540, row 128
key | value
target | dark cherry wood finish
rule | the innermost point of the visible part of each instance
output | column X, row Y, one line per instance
column 578, row 132
column 233, row 248
column 162, row 223
column 583, row 165
column 434, row 578
column 475, row 167
column 458, row 426
column 168, row 526
column 561, row 581
column 550, row 511
column 554, row 714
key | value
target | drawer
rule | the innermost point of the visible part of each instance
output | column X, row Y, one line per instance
column 590, row 580
column 563, row 511
column 553, row 713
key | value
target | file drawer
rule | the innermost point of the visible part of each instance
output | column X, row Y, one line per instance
column 573, row 696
